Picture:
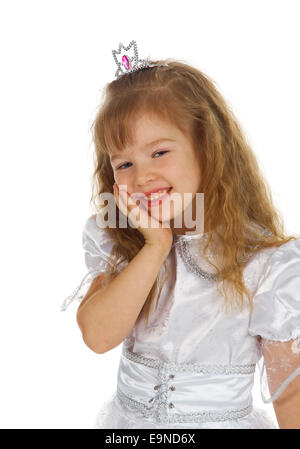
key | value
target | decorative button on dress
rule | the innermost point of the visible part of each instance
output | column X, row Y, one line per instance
column 193, row 365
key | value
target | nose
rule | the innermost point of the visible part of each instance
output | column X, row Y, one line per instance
column 144, row 175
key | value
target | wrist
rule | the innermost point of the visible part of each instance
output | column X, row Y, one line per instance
column 161, row 248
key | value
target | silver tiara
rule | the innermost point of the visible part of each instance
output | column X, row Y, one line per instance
column 128, row 61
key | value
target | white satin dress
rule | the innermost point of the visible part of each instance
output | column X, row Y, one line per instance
column 193, row 366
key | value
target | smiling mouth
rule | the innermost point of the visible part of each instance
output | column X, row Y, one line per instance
column 159, row 200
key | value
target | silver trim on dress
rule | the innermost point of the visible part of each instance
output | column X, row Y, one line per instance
column 184, row 243
column 159, row 405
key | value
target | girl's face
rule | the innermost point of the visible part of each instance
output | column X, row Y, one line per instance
column 148, row 165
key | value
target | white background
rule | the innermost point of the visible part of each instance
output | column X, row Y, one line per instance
column 55, row 60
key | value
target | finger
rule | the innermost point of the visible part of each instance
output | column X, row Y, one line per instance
column 138, row 214
column 120, row 200
column 141, row 215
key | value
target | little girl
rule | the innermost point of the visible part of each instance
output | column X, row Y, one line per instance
column 195, row 311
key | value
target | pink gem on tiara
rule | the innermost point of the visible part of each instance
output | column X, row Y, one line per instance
column 130, row 63
column 125, row 62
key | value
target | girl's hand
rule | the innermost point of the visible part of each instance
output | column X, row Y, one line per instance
column 141, row 219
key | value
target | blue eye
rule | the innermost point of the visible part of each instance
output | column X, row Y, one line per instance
column 157, row 152
column 119, row 168
column 162, row 151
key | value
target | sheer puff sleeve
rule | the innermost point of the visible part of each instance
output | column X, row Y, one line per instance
column 275, row 320
column 97, row 246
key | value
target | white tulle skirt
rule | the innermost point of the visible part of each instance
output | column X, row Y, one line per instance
column 113, row 415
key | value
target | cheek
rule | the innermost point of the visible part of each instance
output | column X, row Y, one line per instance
column 171, row 170
column 123, row 178
column 120, row 177
column 193, row 168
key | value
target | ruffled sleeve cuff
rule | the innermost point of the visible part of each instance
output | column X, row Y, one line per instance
column 82, row 289
column 97, row 246
column 278, row 367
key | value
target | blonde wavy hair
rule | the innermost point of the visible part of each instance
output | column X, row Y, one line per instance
column 235, row 192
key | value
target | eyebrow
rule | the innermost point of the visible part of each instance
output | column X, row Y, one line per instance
column 147, row 145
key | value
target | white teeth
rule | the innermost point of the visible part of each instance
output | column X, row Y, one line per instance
column 157, row 195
